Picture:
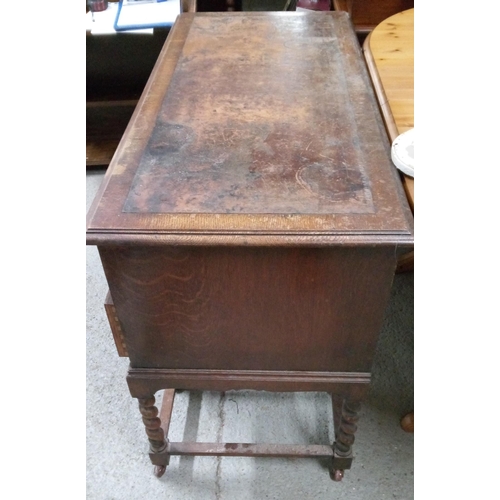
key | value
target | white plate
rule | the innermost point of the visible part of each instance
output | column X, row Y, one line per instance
column 402, row 152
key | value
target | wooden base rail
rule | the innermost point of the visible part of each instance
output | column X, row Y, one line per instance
column 144, row 382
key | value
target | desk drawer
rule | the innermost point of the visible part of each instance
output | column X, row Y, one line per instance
column 115, row 326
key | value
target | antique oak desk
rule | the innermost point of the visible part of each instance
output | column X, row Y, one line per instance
column 250, row 223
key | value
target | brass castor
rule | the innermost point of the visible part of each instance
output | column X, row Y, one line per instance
column 407, row 422
column 337, row 474
column 160, row 470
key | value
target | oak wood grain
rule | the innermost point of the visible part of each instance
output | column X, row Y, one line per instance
column 250, row 308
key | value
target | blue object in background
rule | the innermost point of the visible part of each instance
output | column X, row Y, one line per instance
column 151, row 14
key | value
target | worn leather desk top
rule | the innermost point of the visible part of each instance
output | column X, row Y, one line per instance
column 254, row 128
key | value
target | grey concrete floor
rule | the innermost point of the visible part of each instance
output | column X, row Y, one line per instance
column 118, row 465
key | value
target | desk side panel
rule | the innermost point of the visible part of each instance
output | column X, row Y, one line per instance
column 217, row 308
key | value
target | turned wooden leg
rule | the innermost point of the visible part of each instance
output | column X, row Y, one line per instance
column 154, row 431
column 345, row 426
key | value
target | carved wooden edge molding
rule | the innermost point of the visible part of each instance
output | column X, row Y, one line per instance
column 115, row 326
column 105, row 238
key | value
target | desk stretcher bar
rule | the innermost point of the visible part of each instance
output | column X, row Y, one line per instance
column 249, row 450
